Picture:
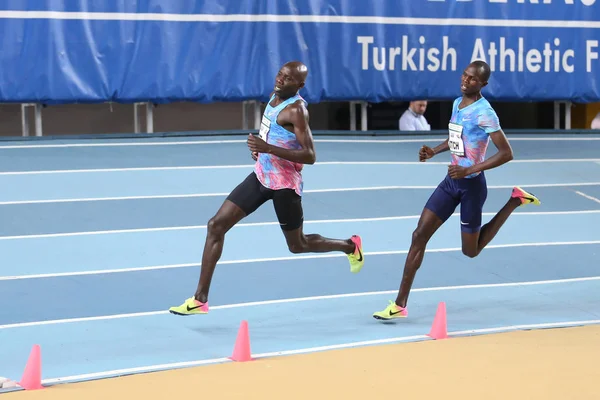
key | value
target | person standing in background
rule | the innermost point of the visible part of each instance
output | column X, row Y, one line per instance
column 596, row 122
column 413, row 118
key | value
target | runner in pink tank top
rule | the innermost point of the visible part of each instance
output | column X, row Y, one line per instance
column 272, row 171
column 281, row 149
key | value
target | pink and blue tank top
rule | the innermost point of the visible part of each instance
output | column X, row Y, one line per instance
column 469, row 132
column 273, row 172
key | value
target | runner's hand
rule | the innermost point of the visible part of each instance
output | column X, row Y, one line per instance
column 425, row 153
column 457, row 172
column 257, row 145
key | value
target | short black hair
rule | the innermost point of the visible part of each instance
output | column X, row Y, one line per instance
column 299, row 70
column 484, row 70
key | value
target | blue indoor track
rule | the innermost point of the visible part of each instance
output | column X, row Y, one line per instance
column 100, row 237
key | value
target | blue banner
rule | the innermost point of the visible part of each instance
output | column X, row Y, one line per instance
column 230, row 50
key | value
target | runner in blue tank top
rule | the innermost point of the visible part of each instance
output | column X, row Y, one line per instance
column 472, row 124
column 283, row 146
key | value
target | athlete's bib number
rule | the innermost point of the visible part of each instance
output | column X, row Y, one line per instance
column 265, row 126
column 455, row 142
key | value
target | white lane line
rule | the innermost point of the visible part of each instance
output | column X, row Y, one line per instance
column 587, row 196
column 277, row 259
column 127, row 169
column 304, row 299
column 329, row 190
column 143, row 142
column 524, row 161
column 441, row 139
column 270, row 223
column 116, row 198
column 250, row 166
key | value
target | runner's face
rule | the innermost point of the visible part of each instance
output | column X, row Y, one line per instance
column 287, row 82
column 470, row 82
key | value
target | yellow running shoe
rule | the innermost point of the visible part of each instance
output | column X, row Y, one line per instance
column 190, row 307
column 357, row 259
column 392, row 311
column 526, row 198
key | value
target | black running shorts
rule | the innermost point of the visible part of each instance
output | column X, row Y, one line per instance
column 251, row 194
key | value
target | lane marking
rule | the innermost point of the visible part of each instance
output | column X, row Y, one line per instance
column 277, row 259
column 304, row 299
column 270, row 223
column 129, row 371
column 160, row 367
column 108, row 142
column 526, row 185
column 523, row 161
column 441, row 139
column 143, row 142
column 249, row 166
column 115, row 198
column 329, row 190
column 131, row 169
column 587, row 196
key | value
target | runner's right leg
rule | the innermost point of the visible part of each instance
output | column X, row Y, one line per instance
column 243, row 201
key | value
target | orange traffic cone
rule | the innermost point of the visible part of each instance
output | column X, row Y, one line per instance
column 32, row 376
column 241, row 351
column 439, row 328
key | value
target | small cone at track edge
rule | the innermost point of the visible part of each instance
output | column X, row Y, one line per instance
column 241, row 351
column 32, row 376
column 439, row 328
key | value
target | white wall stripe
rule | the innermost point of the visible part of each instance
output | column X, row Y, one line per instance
column 314, row 19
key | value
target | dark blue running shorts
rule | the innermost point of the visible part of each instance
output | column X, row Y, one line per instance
column 470, row 193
